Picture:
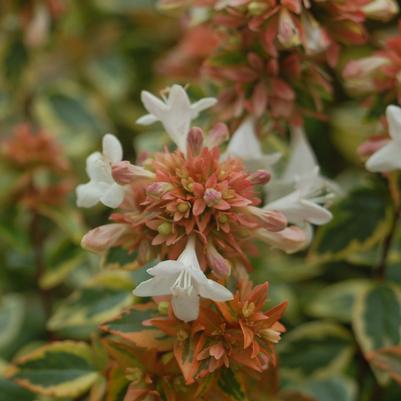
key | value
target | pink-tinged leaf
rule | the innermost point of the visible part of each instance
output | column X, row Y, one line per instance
column 387, row 360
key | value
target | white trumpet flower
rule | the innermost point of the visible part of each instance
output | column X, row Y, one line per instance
column 245, row 144
column 185, row 281
column 102, row 186
column 175, row 112
column 388, row 157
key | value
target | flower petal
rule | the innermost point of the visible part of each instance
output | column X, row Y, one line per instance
column 147, row 119
column 244, row 142
column 154, row 105
column 214, row 291
column 98, row 169
column 166, row 267
column 302, row 158
column 186, row 307
column 88, row 195
column 112, row 148
column 201, row 105
column 314, row 213
column 113, row 196
column 155, row 286
column 385, row 159
column 393, row 115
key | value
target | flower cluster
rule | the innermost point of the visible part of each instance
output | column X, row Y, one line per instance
column 197, row 212
column 189, row 359
column 271, row 55
column 43, row 169
column 35, row 18
column 377, row 73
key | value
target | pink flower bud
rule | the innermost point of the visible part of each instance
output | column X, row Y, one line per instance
column 381, row 10
column 124, row 172
column 260, row 177
column 271, row 335
column 212, row 197
column 194, row 141
column 104, row 237
column 220, row 266
column 272, row 220
column 372, row 145
column 290, row 240
column 288, row 33
column 158, row 189
column 217, row 135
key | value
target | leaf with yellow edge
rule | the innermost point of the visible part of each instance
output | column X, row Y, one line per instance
column 129, row 326
column 360, row 221
column 60, row 369
column 377, row 320
column 388, row 360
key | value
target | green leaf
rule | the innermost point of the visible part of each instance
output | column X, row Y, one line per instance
column 69, row 220
column 103, row 298
column 61, row 260
column 129, row 326
column 337, row 388
column 61, row 369
column 12, row 313
column 15, row 60
column 337, row 300
column 315, row 349
column 360, row 221
column 231, row 385
column 377, row 318
column 10, row 391
column 120, row 258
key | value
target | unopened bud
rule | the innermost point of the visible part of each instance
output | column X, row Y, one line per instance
column 257, row 8
column 271, row 335
column 183, row 207
column 217, row 135
column 194, row 141
column 165, row 228
column 288, row 33
column 100, row 239
column 212, row 196
column 182, row 335
column 260, row 177
column 272, row 220
column 134, row 375
column 163, row 308
column 381, row 10
column 223, row 218
column 158, row 189
column 124, row 172
column 248, row 309
column 372, row 145
column 220, row 266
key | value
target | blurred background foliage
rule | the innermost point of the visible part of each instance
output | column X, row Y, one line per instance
column 74, row 69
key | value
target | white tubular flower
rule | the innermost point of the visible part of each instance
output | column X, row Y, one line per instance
column 101, row 186
column 388, row 157
column 303, row 206
column 175, row 112
column 245, row 144
column 302, row 192
column 185, row 281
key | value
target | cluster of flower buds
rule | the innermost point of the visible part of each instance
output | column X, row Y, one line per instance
column 378, row 73
column 43, row 169
column 270, row 55
column 35, row 18
column 197, row 211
